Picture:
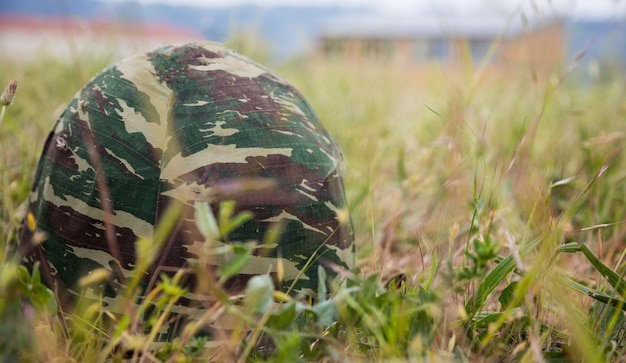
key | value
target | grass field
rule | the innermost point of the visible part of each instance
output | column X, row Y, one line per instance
column 488, row 216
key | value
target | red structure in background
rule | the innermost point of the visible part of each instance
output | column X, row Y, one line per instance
column 26, row 36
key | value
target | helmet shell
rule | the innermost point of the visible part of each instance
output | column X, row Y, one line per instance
column 182, row 124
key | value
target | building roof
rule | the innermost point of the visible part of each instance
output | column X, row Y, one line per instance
column 71, row 37
column 479, row 27
column 34, row 24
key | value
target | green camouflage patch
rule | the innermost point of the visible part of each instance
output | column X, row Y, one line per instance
column 187, row 123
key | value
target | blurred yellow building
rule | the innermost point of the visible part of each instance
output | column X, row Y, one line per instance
column 500, row 43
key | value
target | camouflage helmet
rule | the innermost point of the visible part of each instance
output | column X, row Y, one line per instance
column 183, row 124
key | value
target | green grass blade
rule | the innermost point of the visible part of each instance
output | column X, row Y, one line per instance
column 490, row 282
column 571, row 247
column 484, row 318
column 616, row 281
column 593, row 293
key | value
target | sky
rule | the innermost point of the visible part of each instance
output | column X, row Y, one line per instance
column 575, row 8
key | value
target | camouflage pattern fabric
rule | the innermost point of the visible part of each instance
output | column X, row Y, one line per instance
column 186, row 123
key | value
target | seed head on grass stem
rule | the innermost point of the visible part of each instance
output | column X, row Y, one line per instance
column 7, row 98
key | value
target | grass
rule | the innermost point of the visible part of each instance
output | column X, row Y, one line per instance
column 488, row 215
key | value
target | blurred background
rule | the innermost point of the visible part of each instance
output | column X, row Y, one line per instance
column 545, row 35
